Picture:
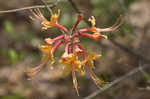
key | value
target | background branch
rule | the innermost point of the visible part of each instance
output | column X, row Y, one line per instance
column 31, row 7
column 134, row 71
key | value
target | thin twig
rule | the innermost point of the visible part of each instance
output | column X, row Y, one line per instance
column 74, row 6
column 26, row 8
column 47, row 7
column 130, row 52
column 134, row 71
column 30, row 7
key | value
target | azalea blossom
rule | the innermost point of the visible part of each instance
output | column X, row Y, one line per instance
column 73, row 48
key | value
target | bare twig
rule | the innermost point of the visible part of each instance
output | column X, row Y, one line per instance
column 47, row 7
column 130, row 52
column 134, row 71
column 25, row 8
column 74, row 6
column 30, row 7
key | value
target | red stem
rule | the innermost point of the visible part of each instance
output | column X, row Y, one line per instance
column 62, row 28
column 75, row 83
column 83, row 53
column 71, row 49
column 67, row 47
column 75, row 44
column 87, row 35
column 84, row 30
column 51, row 41
column 58, row 38
column 80, row 17
column 56, row 46
column 76, row 35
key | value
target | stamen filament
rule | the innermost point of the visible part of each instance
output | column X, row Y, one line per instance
column 75, row 83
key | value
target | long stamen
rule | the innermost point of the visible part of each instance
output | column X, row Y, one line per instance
column 93, row 76
column 35, row 15
column 75, row 83
column 112, row 28
column 80, row 17
column 33, row 71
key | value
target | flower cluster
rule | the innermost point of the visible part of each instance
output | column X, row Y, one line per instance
column 73, row 49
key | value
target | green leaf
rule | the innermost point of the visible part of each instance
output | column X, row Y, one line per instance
column 9, row 26
column 13, row 56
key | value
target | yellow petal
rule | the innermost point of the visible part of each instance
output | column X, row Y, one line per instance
column 54, row 17
column 104, row 36
column 53, row 20
column 66, row 70
column 46, row 49
column 93, row 56
column 52, row 61
column 92, row 20
column 80, row 71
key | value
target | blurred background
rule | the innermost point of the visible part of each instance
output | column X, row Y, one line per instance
column 20, row 36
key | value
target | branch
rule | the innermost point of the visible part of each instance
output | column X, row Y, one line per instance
column 74, row 6
column 30, row 7
column 134, row 71
column 130, row 52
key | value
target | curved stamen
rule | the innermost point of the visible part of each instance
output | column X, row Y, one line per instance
column 112, row 28
column 75, row 83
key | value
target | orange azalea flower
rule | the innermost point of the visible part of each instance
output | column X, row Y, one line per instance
column 71, row 62
column 73, row 48
column 47, row 55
